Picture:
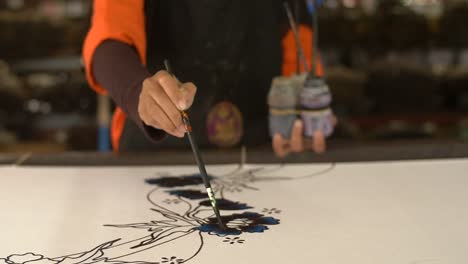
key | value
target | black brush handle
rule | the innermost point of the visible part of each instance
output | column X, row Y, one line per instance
column 199, row 160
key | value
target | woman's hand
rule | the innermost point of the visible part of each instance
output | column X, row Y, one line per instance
column 297, row 143
column 162, row 98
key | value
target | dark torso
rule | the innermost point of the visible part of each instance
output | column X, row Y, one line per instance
column 230, row 49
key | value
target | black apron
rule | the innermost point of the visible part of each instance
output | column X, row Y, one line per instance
column 231, row 50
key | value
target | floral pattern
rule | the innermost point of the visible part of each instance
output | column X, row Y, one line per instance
column 170, row 182
column 27, row 258
column 227, row 205
column 271, row 211
column 233, row 240
column 172, row 260
column 189, row 194
column 194, row 222
column 248, row 222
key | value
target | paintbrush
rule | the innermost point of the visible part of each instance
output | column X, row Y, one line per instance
column 294, row 29
column 198, row 159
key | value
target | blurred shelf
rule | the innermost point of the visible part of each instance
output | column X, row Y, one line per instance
column 62, row 64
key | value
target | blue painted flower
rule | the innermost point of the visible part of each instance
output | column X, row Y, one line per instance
column 184, row 180
column 189, row 194
column 248, row 222
column 227, row 205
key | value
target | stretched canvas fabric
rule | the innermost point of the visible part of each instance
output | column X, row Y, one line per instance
column 385, row 212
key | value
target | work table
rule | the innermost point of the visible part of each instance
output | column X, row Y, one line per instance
column 337, row 152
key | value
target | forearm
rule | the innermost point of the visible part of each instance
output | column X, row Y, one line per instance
column 117, row 67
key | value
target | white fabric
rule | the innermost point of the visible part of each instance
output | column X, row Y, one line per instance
column 363, row 213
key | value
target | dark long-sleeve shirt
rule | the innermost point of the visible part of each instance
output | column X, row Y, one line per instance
column 117, row 67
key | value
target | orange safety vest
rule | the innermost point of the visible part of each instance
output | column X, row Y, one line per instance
column 124, row 20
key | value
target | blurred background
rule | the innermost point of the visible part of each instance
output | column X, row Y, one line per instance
column 398, row 69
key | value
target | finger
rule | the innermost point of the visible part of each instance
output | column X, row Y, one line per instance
column 148, row 120
column 157, row 116
column 297, row 144
column 319, row 144
column 280, row 146
column 144, row 103
column 180, row 132
column 165, row 103
column 188, row 91
column 334, row 120
column 170, row 86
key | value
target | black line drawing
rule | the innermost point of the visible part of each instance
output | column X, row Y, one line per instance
column 271, row 211
column 233, row 240
column 189, row 218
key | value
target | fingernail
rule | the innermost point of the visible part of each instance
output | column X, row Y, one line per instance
column 182, row 105
column 297, row 123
